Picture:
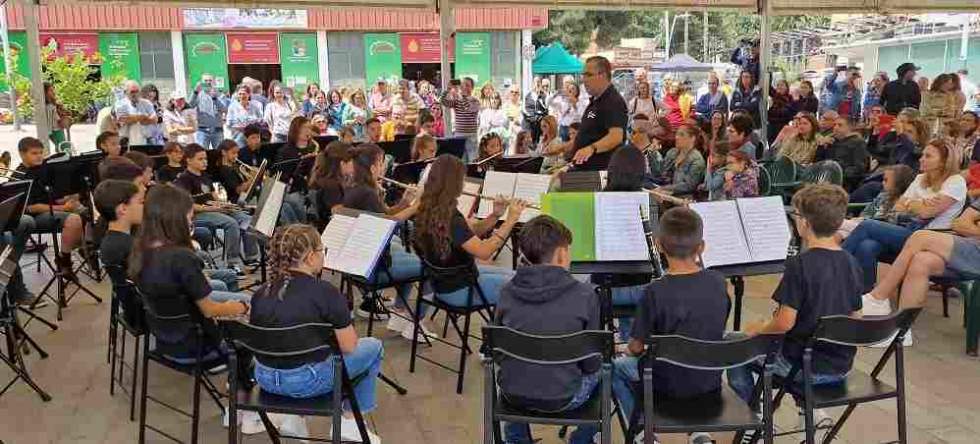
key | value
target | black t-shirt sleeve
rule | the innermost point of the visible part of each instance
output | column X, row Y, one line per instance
column 643, row 324
column 460, row 231
column 187, row 272
column 333, row 307
column 791, row 289
column 616, row 114
column 363, row 198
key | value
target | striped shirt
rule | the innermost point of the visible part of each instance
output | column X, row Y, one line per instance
column 467, row 111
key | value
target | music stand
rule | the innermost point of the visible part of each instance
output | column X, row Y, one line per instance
column 154, row 151
column 588, row 181
column 268, row 151
column 410, row 172
column 451, row 145
column 400, row 150
column 524, row 164
column 323, row 141
column 263, row 238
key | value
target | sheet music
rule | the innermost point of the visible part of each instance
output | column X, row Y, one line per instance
column 334, row 237
column 766, row 227
column 618, row 228
column 464, row 203
column 495, row 183
column 724, row 240
column 364, row 245
column 530, row 187
column 269, row 213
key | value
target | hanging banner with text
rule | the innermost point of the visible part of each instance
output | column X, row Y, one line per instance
column 253, row 47
column 473, row 56
column 205, row 54
column 120, row 55
column 224, row 18
column 298, row 52
column 382, row 58
column 18, row 58
column 62, row 45
column 422, row 47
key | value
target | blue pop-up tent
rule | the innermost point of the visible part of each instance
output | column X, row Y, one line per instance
column 555, row 59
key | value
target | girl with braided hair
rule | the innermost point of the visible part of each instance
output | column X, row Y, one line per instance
column 293, row 296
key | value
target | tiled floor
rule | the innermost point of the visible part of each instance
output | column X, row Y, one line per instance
column 943, row 388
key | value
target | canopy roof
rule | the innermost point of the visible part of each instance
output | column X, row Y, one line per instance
column 555, row 59
column 682, row 63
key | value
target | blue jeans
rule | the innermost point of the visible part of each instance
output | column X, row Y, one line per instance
column 233, row 225
column 563, row 133
column 871, row 239
column 210, row 138
column 520, row 433
column 404, row 265
column 293, row 209
column 626, row 296
column 316, row 379
column 472, row 152
column 625, row 375
column 46, row 222
column 491, row 279
column 223, row 280
column 742, row 380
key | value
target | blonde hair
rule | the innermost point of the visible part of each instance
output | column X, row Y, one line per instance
column 553, row 124
column 289, row 245
column 951, row 165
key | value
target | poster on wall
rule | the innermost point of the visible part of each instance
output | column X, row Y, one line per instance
column 65, row 44
column 382, row 57
column 253, row 47
column 224, row 18
column 473, row 56
column 422, row 47
column 205, row 54
column 298, row 52
column 120, row 55
column 18, row 58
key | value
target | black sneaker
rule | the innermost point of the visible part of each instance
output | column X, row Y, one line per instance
column 369, row 307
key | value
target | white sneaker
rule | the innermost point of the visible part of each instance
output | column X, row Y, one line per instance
column 291, row 425
column 872, row 306
column 408, row 331
column 398, row 323
column 906, row 341
column 249, row 422
column 349, row 432
column 700, row 438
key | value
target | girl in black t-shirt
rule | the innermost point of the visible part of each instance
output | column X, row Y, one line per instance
column 295, row 296
column 446, row 239
column 331, row 174
column 229, row 175
column 491, row 146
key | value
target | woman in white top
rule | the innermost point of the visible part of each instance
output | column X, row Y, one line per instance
column 241, row 113
column 933, row 200
column 569, row 107
column 278, row 113
column 493, row 119
column 179, row 123
column 550, row 146
column 643, row 103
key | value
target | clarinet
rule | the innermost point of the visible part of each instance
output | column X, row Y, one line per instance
column 651, row 244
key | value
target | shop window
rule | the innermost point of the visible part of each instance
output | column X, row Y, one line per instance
column 157, row 61
column 346, row 59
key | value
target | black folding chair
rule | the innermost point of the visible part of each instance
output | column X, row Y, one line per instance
column 859, row 387
column 476, row 302
column 724, row 411
column 301, row 339
column 162, row 328
column 506, row 343
column 126, row 311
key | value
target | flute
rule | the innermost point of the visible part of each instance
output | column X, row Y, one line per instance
column 660, row 195
column 480, row 196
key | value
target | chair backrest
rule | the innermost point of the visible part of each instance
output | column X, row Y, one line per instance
column 765, row 181
column 826, row 171
column 297, row 340
column 866, row 331
column 548, row 350
column 127, row 296
column 166, row 327
column 783, row 170
column 447, row 279
column 699, row 354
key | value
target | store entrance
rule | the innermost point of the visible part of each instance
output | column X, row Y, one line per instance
column 423, row 71
column 265, row 73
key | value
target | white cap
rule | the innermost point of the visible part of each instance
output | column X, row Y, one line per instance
column 176, row 94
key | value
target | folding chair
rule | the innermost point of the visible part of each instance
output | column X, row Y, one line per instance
column 859, row 387
column 506, row 343
column 207, row 358
column 725, row 411
column 302, row 339
column 476, row 302
column 126, row 312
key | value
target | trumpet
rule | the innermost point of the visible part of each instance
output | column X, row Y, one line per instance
column 11, row 173
column 246, row 170
column 467, row 193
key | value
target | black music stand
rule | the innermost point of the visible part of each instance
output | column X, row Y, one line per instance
column 262, row 238
column 268, row 151
column 736, row 274
column 451, row 145
column 255, row 186
column 323, row 141
column 523, row 164
column 399, row 150
column 580, row 181
column 21, row 189
column 154, row 151
column 411, row 172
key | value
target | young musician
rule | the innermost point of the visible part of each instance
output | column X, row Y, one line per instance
column 108, row 143
column 331, row 174
column 822, row 281
column 229, row 175
column 253, row 141
column 145, row 163
column 545, row 299
column 299, row 145
column 423, row 147
column 233, row 222
column 120, row 203
column 490, row 145
column 294, row 296
column 175, row 163
column 447, row 239
column 365, row 192
column 63, row 215
column 688, row 301
column 372, row 131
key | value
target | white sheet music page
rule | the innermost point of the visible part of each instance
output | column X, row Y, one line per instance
column 495, row 184
column 618, row 228
column 530, row 187
column 334, row 237
column 766, row 227
column 724, row 241
column 266, row 223
column 464, row 203
column 603, row 179
column 367, row 240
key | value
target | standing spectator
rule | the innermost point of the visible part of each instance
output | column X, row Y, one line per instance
column 603, row 127
column 781, row 110
column 968, row 142
column 747, row 57
column 849, row 150
column 460, row 99
column 644, row 102
column 512, row 108
column 309, row 99
column 872, row 93
column 535, row 108
column 258, row 93
column 278, row 113
column 923, row 83
column 336, row 109
column 747, row 96
column 942, row 103
column 241, row 113
column 842, row 93
column 319, row 106
column 136, row 116
column 486, row 95
column 569, row 106
column 406, row 104
column 357, row 113
column 155, row 134
column 808, row 101
column 713, row 100
column 902, row 92
column 178, row 121
column 380, row 102
column 58, row 116
column 209, row 113
column 494, row 120
column 969, row 88
column 428, row 93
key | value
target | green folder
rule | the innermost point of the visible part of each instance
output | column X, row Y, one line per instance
column 577, row 212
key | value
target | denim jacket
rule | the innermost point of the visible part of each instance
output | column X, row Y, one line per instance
column 683, row 179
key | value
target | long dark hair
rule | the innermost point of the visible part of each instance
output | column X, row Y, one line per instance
column 226, row 145
column 295, row 126
column 976, row 124
column 626, row 170
column 437, row 205
column 365, row 156
column 328, row 164
column 164, row 224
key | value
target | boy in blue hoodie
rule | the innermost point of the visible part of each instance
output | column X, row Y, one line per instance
column 544, row 299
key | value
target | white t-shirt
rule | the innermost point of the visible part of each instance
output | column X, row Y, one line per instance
column 954, row 186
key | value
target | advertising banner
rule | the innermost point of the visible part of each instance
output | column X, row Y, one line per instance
column 422, row 47
column 18, row 58
column 298, row 52
column 71, row 44
column 473, row 56
column 205, row 54
column 253, row 47
column 382, row 57
column 120, row 54
column 224, row 18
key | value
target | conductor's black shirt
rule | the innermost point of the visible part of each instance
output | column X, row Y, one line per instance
column 608, row 110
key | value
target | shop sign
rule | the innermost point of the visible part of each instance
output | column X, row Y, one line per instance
column 205, row 54
column 224, row 18
column 120, row 55
column 253, row 47
column 62, row 45
column 299, row 59
column 423, row 47
column 382, row 57
column 473, row 56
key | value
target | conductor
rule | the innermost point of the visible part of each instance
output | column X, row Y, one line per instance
column 603, row 127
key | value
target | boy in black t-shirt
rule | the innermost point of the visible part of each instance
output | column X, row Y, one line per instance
column 545, row 299
column 108, row 143
column 253, row 141
column 121, row 204
column 175, row 158
column 822, row 281
column 687, row 301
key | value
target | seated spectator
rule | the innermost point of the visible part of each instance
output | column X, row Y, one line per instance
column 740, row 134
column 798, row 140
column 849, row 150
column 714, row 178
column 682, row 168
column 742, row 176
column 897, row 179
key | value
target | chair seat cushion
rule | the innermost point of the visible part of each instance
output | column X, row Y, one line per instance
column 590, row 412
column 259, row 399
column 723, row 410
